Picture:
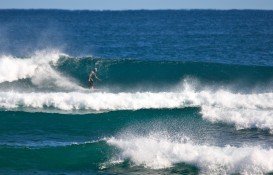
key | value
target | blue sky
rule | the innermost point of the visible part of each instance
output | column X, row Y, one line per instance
column 136, row 4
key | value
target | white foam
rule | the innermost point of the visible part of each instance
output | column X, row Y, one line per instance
column 91, row 101
column 158, row 152
column 242, row 110
column 12, row 69
column 242, row 118
column 227, row 99
column 38, row 68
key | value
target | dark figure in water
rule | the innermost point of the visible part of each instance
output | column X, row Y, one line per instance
column 92, row 77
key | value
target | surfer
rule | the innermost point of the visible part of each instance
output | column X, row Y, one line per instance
column 92, row 77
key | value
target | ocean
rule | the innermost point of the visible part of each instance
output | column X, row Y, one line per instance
column 181, row 92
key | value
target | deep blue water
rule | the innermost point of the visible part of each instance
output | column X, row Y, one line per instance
column 234, row 37
column 181, row 92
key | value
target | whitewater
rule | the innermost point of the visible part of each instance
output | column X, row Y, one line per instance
column 158, row 151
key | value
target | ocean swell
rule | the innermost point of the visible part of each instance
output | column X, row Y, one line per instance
column 59, row 83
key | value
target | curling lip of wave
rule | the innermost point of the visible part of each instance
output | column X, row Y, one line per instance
column 157, row 152
column 38, row 68
column 12, row 69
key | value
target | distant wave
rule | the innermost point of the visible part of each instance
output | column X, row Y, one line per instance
column 42, row 144
column 158, row 152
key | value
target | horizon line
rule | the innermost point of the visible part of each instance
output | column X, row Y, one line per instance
column 171, row 9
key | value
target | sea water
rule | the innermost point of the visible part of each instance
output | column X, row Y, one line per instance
column 182, row 92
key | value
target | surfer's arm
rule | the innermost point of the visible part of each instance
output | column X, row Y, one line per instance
column 97, row 77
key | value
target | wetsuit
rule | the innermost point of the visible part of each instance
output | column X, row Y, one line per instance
column 92, row 76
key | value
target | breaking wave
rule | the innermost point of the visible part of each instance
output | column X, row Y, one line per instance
column 158, row 152
column 38, row 68
column 50, row 80
column 243, row 110
column 94, row 102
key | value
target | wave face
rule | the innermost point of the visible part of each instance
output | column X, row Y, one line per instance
column 135, row 74
column 128, row 74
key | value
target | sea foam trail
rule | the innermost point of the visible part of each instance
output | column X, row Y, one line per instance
column 38, row 68
column 158, row 152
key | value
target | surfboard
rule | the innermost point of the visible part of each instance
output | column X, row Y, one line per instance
column 96, row 90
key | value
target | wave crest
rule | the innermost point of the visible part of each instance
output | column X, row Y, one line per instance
column 242, row 110
column 94, row 102
column 158, row 152
column 39, row 68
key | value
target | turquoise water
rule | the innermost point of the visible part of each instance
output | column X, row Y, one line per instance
column 182, row 92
